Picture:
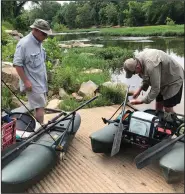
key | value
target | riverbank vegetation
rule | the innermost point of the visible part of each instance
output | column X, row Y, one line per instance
column 69, row 72
column 110, row 18
column 160, row 30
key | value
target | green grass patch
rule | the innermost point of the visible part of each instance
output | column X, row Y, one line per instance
column 160, row 30
column 108, row 97
column 7, row 25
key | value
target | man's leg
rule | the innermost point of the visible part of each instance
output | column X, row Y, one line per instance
column 39, row 115
column 159, row 103
column 168, row 109
column 37, row 102
column 173, row 101
column 159, row 106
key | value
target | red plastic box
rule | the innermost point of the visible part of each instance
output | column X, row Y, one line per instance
column 8, row 134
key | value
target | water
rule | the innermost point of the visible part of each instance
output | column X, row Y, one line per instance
column 174, row 46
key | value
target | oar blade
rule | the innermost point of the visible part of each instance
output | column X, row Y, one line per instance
column 155, row 152
column 150, row 155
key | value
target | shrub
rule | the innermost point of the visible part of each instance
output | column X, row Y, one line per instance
column 59, row 27
column 4, row 36
column 114, row 94
column 7, row 25
column 8, row 50
column 6, row 97
column 22, row 22
column 53, row 51
column 65, row 78
column 169, row 21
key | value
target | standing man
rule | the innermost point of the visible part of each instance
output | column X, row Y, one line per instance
column 162, row 73
column 29, row 61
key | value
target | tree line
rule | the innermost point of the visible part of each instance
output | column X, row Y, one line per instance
column 85, row 14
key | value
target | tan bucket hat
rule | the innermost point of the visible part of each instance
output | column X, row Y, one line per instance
column 42, row 25
column 129, row 67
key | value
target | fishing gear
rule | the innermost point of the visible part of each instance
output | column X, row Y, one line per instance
column 45, row 129
column 43, row 126
column 118, row 134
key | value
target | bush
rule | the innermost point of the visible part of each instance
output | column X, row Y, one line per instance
column 22, row 22
column 65, row 77
column 4, row 36
column 169, row 21
column 59, row 27
column 6, row 95
column 53, row 51
column 7, row 25
column 114, row 94
column 8, row 50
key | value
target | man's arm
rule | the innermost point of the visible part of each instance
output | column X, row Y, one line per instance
column 18, row 63
column 155, row 80
column 144, row 86
column 23, row 77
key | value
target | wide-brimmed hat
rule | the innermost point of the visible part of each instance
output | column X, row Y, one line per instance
column 42, row 25
column 129, row 67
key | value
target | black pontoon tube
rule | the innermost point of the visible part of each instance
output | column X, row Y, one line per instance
column 43, row 130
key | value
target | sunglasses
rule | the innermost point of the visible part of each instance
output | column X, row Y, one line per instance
column 44, row 34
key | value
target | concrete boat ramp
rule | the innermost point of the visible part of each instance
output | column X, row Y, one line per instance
column 83, row 171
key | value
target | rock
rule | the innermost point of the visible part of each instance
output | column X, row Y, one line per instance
column 16, row 38
column 64, row 46
column 87, row 88
column 55, row 96
column 57, row 62
column 20, row 35
column 5, row 63
column 53, row 104
column 9, row 75
column 88, row 54
column 93, row 71
column 17, row 103
column 77, row 97
column 62, row 93
column 14, row 33
column 50, row 93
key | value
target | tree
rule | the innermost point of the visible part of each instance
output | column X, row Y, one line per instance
column 45, row 10
column 83, row 18
column 70, row 14
column 111, row 14
column 134, row 15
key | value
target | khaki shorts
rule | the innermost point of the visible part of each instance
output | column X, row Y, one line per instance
column 36, row 100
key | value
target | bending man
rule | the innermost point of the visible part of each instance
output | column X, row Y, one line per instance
column 162, row 73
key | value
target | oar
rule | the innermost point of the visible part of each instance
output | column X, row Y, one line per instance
column 155, row 152
column 43, row 130
column 118, row 134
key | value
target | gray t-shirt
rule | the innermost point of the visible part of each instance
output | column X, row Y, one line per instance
column 31, row 56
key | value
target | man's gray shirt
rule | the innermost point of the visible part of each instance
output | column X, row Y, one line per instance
column 31, row 56
column 161, row 72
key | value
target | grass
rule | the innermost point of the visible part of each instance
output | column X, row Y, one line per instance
column 109, row 96
column 160, row 30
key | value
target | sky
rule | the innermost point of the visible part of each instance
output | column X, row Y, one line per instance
column 28, row 4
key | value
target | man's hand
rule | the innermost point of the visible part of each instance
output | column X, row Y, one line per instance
column 28, row 85
column 136, row 94
column 134, row 102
